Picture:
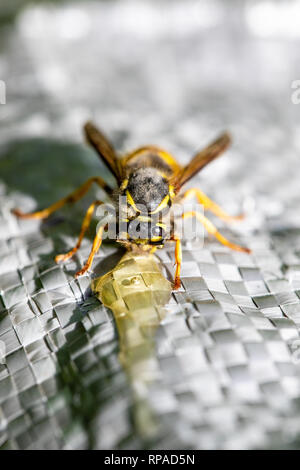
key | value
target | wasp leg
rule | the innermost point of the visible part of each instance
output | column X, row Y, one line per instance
column 96, row 245
column 178, row 260
column 213, row 231
column 85, row 225
column 210, row 205
column 71, row 198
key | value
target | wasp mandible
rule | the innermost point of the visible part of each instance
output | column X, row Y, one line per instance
column 149, row 177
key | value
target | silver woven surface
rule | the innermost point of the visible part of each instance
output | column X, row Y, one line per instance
column 151, row 72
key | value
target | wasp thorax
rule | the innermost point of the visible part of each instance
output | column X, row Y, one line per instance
column 147, row 188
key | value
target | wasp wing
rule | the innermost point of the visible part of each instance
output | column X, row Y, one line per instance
column 104, row 149
column 200, row 160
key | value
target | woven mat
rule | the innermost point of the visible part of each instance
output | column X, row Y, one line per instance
column 229, row 349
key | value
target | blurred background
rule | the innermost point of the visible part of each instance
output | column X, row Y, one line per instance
column 173, row 74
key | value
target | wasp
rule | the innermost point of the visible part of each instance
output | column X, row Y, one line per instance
column 151, row 178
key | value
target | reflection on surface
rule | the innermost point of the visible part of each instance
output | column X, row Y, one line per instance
column 136, row 291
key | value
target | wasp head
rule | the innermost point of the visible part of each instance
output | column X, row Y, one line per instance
column 148, row 200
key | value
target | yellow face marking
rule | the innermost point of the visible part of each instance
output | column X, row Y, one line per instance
column 131, row 201
column 171, row 191
column 165, row 201
column 167, row 157
column 144, row 218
